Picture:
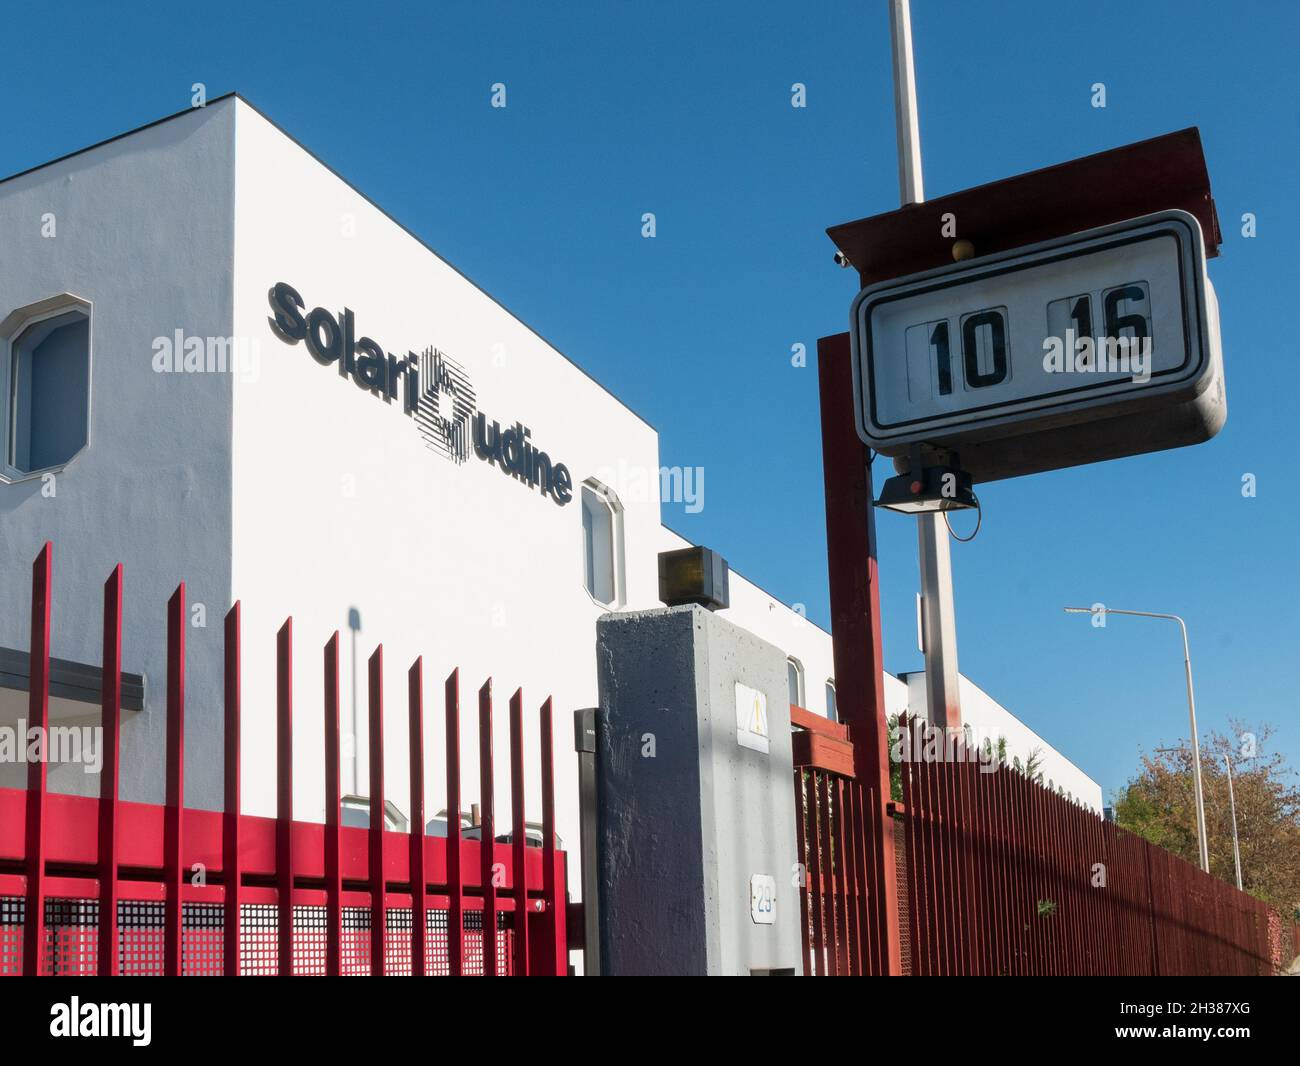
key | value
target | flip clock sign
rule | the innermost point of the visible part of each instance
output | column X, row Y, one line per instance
column 1082, row 348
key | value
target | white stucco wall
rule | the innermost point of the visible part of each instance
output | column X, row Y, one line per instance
column 339, row 503
column 143, row 229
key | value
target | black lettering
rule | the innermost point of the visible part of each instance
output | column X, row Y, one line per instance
column 328, row 348
column 563, row 489
column 287, row 322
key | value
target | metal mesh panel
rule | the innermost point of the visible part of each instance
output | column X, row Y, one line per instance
column 354, row 955
column 904, row 919
column 309, row 941
column 140, row 937
column 437, row 947
column 71, row 936
column 72, row 930
column 259, row 949
column 473, row 943
column 202, row 939
column 11, row 935
column 398, row 927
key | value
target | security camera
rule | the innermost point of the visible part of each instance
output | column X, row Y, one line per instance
column 843, row 260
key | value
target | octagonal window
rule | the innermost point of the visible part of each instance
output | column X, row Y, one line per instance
column 48, row 391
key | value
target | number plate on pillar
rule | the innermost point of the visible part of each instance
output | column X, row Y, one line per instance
column 1084, row 328
column 762, row 899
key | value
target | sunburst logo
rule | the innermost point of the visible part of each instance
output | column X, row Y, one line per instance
column 446, row 405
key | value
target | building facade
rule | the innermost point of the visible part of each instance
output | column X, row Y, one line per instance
column 290, row 400
column 226, row 366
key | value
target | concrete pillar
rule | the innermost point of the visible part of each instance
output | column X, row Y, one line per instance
column 695, row 798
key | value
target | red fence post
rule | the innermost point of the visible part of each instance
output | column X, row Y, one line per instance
column 487, row 829
column 801, row 842
column 111, row 701
column 378, row 875
column 817, row 878
column 173, row 874
column 555, row 951
column 850, row 832
column 333, row 815
column 38, row 717
column 419, row 914
column 855, row 617
column 519, row 833
column 284, row 795
column 232, row 873
column 455, row 884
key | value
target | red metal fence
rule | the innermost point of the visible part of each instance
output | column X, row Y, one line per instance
column 106, row 886
column 1006, row 877
column 999, row 875
column 834, row 838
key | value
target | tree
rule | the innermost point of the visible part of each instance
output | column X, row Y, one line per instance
column 1159, row 804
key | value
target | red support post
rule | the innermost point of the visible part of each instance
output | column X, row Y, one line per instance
column 554, row 962
column 801, row 842
column 455, row 882
column 816, row 883
column 868, row 935
column 284, row 795
column 333, row 815
column 847, row 882
column 518, row 834
column 38, row 717
column 378, row 875
column 419, row 908
column 232, row 872
column 855, row 625
column 839, row 882
column 487, row 830
column 111, row 702
column 173, row 874
column 861, row 938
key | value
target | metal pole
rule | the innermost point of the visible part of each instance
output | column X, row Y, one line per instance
column 938, row 616
column 1196, row 753
column 584, row 743
column 1191, row 711
column 1232, row 806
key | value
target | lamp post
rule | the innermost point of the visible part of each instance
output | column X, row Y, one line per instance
column 1232, row 806
column 938, row 615
column 1191, row 711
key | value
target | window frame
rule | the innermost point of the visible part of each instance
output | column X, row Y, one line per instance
column 800, row 681
column 14, row 325
column 609, row 499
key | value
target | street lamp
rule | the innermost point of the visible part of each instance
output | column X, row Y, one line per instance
column 1191, row 710
column 1232, row 806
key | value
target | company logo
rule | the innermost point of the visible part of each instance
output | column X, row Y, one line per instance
column 435, row 391
column 446, row 405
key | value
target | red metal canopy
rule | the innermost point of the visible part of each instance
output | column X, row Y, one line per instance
column 1137, row 179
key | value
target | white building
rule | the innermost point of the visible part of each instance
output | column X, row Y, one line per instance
column 132, row 273
column 197, row 321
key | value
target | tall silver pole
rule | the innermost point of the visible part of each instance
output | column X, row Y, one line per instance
column 1191, row 712
column 1232, row 806
column 938, row 616
column 1196, row 753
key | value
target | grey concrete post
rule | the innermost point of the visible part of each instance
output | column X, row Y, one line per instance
column 696, row 798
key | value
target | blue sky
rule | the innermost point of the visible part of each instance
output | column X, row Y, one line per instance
column 684, row 110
